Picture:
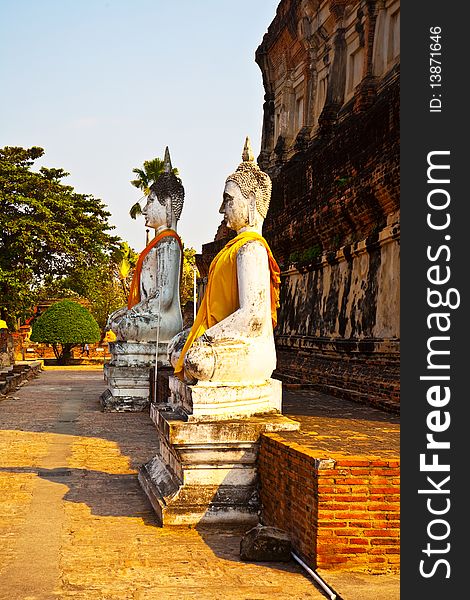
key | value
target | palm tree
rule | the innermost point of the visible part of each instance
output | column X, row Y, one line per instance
column 146, row 176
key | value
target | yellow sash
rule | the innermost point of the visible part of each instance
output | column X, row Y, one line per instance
column 221, row 296
column 134, row 292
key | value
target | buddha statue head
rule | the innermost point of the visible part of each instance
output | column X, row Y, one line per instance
column 166, row 198
column 247, row 194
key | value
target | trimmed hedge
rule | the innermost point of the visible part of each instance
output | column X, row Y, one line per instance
column 65, row 324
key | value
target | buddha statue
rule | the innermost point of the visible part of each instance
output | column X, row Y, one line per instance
column 153, row 312
column 232, row 340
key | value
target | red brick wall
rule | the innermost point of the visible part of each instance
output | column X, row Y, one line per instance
column 340, row 513
column 362, row 377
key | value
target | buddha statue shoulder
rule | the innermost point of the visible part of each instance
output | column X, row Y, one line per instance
column 232, row 338
column 153, row 311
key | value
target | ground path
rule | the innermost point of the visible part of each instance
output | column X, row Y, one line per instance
column 74, row 522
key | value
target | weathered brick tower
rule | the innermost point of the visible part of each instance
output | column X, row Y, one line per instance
column 330, row 143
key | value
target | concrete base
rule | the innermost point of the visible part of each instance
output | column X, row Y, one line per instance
column 128, row 375
column 205, row 468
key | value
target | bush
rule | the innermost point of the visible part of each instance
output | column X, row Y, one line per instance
column 65, row 324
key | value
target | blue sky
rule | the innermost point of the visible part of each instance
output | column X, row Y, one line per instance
column 103, row 85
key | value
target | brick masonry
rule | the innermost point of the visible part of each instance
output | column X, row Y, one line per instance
column 339, row 314
column 340, row 513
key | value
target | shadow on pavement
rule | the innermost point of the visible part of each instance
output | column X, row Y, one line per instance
column 105, row 494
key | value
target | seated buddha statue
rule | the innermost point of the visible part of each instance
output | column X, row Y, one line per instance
column 232, row 339
column 153, row 312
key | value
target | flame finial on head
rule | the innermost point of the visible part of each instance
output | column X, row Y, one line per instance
column 167, row 161
column 247, row 154
column 169, row 185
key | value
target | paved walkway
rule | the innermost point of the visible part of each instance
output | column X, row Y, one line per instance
column 74, row 522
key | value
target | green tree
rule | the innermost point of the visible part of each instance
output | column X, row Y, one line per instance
column 47, row 230
column 65, row 324
column 146, row 176
column 123, row 260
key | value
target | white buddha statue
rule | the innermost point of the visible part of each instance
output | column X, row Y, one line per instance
column 232, row 338
column 153, row 312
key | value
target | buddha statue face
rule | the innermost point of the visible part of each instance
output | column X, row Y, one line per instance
column 155, row 212
column 246, row 195
column 238, row 210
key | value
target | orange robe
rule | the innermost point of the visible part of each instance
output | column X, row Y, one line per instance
column 134, row 293
column 221, row 296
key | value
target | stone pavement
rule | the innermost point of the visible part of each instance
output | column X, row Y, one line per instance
column 337, row 428
column 74, row 522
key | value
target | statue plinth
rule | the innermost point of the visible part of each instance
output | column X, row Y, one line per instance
column 128, row 375
column 212, row 401
column 205, row 467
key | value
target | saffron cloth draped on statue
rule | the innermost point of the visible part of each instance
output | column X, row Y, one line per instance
column 134, row 293
column 221, row 300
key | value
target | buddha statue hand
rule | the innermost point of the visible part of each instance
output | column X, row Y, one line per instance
column 176, row 345
column 115, row 317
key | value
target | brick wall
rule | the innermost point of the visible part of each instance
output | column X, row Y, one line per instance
column 340, row 513
column 371, row 378
column 342, row 188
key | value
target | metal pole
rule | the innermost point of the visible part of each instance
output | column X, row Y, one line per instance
column 317, row 578
column 159, row 316
column 194, row 291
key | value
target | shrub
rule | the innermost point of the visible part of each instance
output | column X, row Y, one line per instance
column 65, row 324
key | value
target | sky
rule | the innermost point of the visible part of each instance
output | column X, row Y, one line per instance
column 103, row 85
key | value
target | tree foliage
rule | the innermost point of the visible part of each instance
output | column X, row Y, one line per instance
column 105, row 285
column 146, row 176
column 65, row 324
column 123, row 260
column 47, row 230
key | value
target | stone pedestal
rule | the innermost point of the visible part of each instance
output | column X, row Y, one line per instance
column 128, row 375
column 208, row 436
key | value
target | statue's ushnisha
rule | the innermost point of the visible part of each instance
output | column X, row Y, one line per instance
column 232, row 337
column 153, row 310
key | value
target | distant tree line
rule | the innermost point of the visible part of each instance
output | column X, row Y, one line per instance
column 54, row 242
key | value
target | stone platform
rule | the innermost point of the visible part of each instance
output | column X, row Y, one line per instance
column 209, row 402
column 13, row 376
column 205, row 468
